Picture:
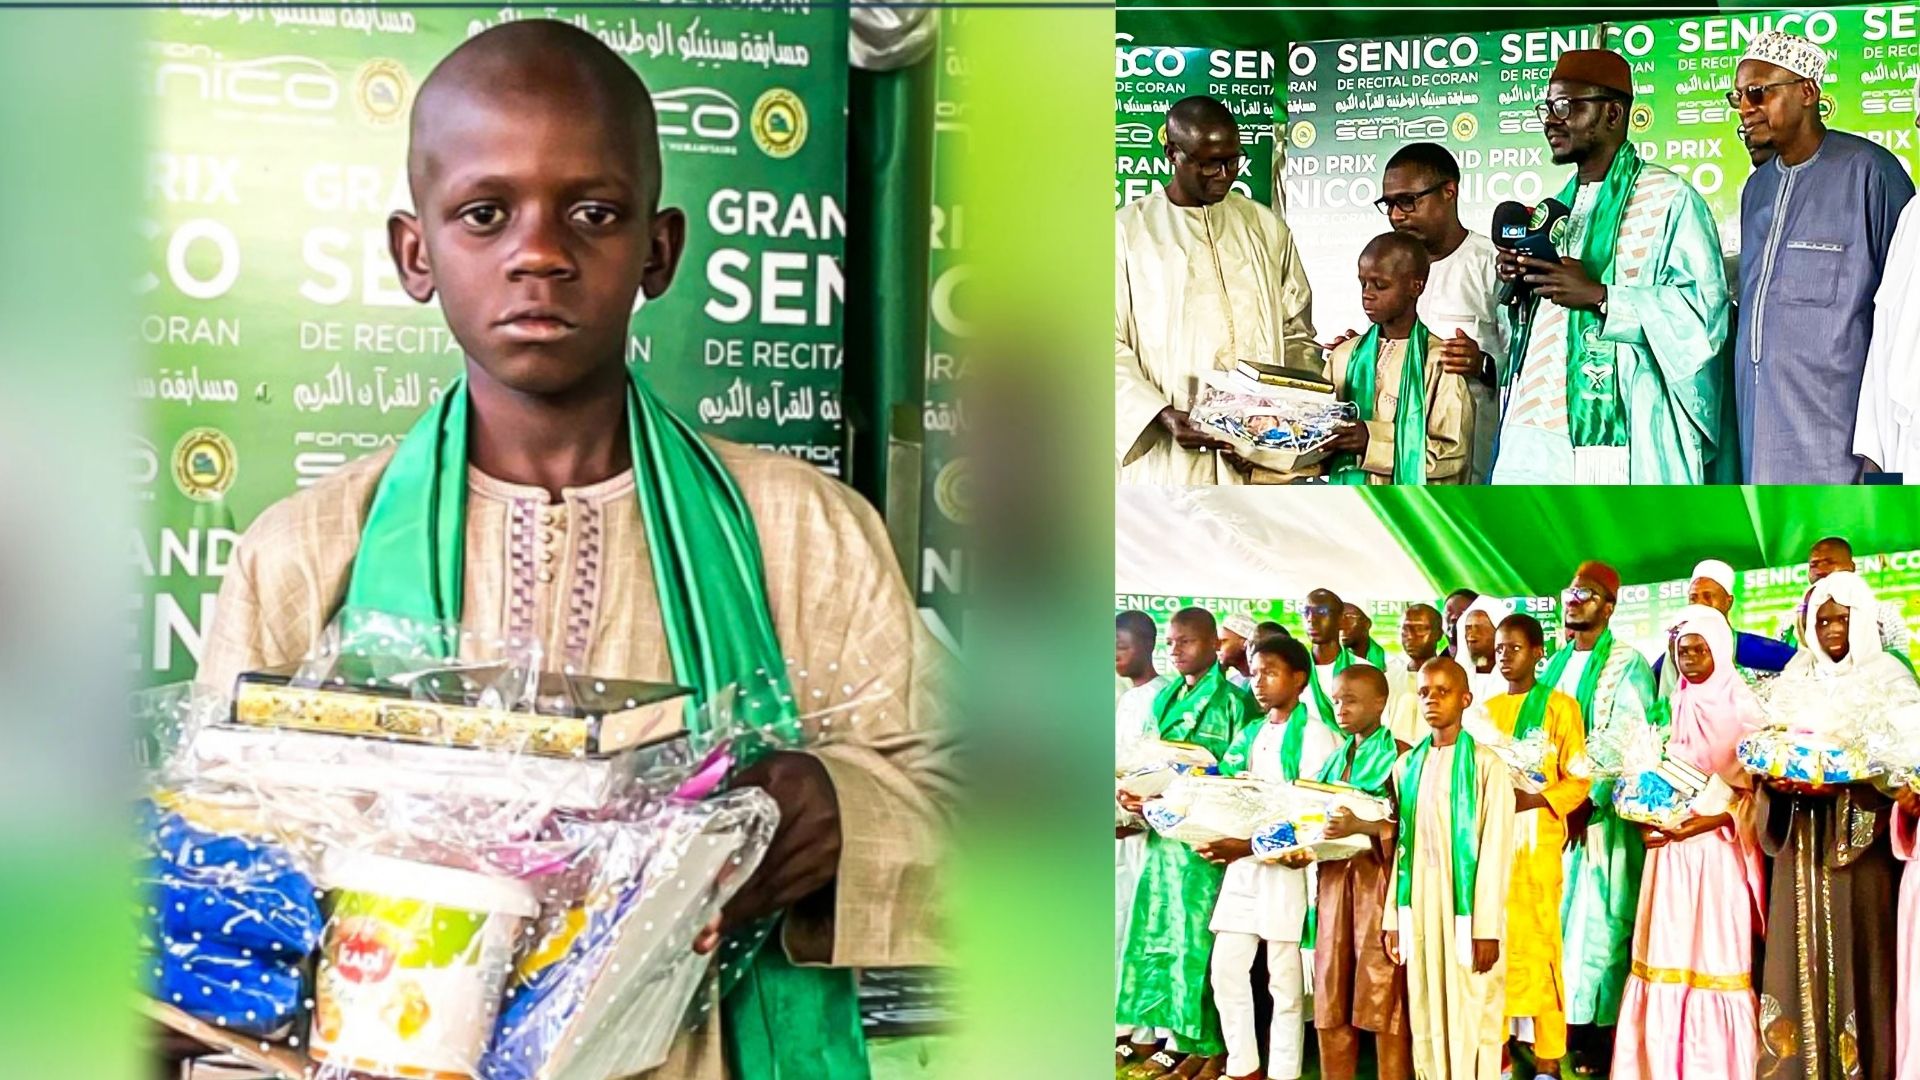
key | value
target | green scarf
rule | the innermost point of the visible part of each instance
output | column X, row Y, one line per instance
column 782, row 1021
column 1376, row 655
column 1533, row 710
column 1341, row 662
column 1462, row 797
column 1589, row 678
column 1372, row 763
column 1180, row 712
column 1409, row 414
column 1596, row 413
column 1240, row 758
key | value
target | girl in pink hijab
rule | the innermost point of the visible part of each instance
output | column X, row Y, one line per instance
column 1689, row 1009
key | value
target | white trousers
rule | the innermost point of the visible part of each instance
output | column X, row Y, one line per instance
column 1233, row 996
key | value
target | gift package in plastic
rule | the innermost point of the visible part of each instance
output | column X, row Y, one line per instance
column 1818, row 732
column 1663, row 796
column 1306, row 807
column 399, row 864
column 1149, row 766
column 1276, row 427
column 1199, row 809
column 1525, row 757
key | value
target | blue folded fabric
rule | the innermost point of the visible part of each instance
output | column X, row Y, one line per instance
column 231, row 891
column 250, row 995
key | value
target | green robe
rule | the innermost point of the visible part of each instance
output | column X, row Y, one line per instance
column 1602, row 894
column 1669, row 329
column 1164, row 983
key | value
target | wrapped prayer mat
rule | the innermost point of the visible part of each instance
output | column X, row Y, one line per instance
column 1303, row 823
column 1151, row 764
column 1806, row 762
column 1199, row 809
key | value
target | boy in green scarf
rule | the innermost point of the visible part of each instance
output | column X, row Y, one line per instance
column 1415, row 420
column 551, row 497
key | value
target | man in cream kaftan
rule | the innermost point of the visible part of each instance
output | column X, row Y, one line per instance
column 1203, row 278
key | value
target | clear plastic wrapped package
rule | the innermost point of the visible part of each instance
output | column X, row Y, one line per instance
column 505, row 886
column 1819, row 732
column 1150, row 765
column 1307, row 805
column 1201, row 809
column 1524, row 757
column 1275, row 427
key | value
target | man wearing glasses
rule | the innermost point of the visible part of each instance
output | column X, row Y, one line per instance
column 1420, row 194
column 1816, row 224
column 1614, row 686
column 1620, row 378
column 1204, row 278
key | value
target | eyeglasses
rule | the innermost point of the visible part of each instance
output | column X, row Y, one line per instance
column 1229, row 166
column 1755, row 95
column 1562, row 107
column 1321, row 609
column 1406, row 203
column 1579, row 594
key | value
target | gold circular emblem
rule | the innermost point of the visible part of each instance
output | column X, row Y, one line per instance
column 1303, row 134
column 779, row 123
column 204, row 464
column 1465, row 126
column 952, row 491
column 1642, row 117
column 381, row 89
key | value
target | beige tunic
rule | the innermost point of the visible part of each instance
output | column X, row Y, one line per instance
column 1449, row 413
column 1197, row 289
column 574, row 574
column 1457, row 1016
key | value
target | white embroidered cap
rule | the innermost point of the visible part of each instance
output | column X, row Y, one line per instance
column 1239, row 623
column 1789, row 51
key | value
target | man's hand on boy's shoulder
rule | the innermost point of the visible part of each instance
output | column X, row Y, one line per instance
column 804, row 857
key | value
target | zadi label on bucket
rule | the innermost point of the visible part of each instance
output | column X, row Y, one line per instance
column 409, row 988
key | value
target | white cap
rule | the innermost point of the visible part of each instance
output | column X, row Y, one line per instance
column 1714, row 570
column 1790, row 51
column 1241, row 624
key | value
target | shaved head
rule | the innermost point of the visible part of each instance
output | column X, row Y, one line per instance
column 1192, row 118
column 1400, row 251
column 533, row 61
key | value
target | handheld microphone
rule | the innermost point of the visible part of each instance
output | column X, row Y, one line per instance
column 1526, row 231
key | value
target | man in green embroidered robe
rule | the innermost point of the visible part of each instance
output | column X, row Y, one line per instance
column 1617, row 374
column 550, row 497
column 1164, row 986
column 1614, row 686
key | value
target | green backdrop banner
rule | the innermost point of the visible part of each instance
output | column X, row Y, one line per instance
column 1349, row 104
column 1150, row 78
column 945, row 498
column 281, row 345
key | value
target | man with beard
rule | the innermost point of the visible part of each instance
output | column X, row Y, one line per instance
column 1204, row 278
column 1712, row 586
column 1473, row 646
column 1420, row 641
column 1614, row 687
column 1457, row 603
column 1620, row 377
column 1356, row 633
column 1816, row 225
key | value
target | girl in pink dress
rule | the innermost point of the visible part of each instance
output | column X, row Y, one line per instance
column 1689, row 1011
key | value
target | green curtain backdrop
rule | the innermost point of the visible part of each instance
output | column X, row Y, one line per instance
column 889, row 222
column 1527, row 540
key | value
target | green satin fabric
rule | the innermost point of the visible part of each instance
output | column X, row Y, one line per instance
column 1602, row 893
column 1409, row 414
column 1598, row 419
column 1463, row 795
column 1372, row 764
column 705, row 555
column 1341, row 662
column 1163, row 982
column 1589, row 676
column 1533, row 709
